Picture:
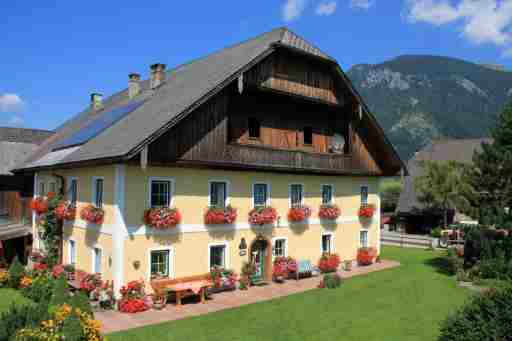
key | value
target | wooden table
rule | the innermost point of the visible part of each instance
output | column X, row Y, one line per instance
column 186, row 289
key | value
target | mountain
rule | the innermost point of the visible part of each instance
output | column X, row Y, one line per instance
column 419, row 98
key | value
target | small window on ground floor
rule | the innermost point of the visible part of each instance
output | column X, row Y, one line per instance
column 363, row 238
column 72, row 252
column 327, row 246
column 160, row 263
column 279, row 248
column 218, row 256
column 97, row 256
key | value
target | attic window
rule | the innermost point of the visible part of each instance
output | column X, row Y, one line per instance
column 254, row 128
column 308, row 135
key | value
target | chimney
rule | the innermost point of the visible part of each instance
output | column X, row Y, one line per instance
column 133, row 84
column 96, row 101
column 157, row 75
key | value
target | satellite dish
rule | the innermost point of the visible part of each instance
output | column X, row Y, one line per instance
column 337, row 144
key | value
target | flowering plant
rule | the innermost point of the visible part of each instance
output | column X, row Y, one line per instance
column 222, row 277
column 366, row 211
column 90, row 282
column 65, row 211
column 133, row 305
column 283, row 266
column 329, row 262
column 132, row 300
column 220, row 215
column 299, row 213
column 366, row 255
column 329, row 211
column 39, row 205
column 92, row 214
column 134, row 289
column 162, row 217
column 57, row 270
column 40, row 267
column 262, row 215
column 4, row 277
column 25, row 282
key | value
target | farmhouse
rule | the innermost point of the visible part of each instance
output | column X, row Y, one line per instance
column 243, row 155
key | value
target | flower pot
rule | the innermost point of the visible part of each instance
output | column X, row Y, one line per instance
column 348, row 266
column 434, row 242
column 159, row 304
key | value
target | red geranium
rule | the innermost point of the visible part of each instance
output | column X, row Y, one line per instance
column 283, row 266
column 57, row 270
column 133, row 305
column 65, row 211
column 162, row 217
column 134, row 289
column 329, row 262
column 219, row 215
column 366, row 211
column 331, row 212
column 39, row 205
column 262, row 215
column 92, row 214
column 40, row 266
column 90, row 282
column 366, row 255
column 299, row 213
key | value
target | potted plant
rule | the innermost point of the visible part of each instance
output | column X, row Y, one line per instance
column 159, row 301
column 366, row 255
column 329, row 262
column 435, row 234
column 162, row 217
column 262, row 216
column 65, row 211
column 39, row 205
column 248, row 270
column 279, row 272
column 329, row 212
column 220, row 215
column 348, row 265
column 299, row 213
column 92, row 214
column 366, row 211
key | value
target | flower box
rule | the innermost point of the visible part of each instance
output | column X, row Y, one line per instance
column 220, row 215
column 366, row 211
column 329, row 262
column 65, row 211
column 262, row 216
column 92, row 214
column 329, row 212
column 299, row 213
column 366, row 255
column 162, row 218
column 39, row 205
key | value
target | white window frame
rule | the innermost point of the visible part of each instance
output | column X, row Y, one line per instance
column 171, row 260
column 333, row 244
column 303, row 199
column 41, row 188
column 367, row 237
column 70, row 260
column 171, row 190
column 228, row 191
column 333, row 200
column 68, row 189
column 226, row 254
column 93, row 259
column 93, row 190
column 367, row 194
column 285, row 246
column 269, row 190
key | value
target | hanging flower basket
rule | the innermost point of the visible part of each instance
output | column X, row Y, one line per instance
column 220, row 215
column 299, row 213
column 329, row 212
column 65, row 211
column 262, row 216
column 39, row 205
column 366, row 255
column 366, row 211
column 92, row 214
column 162, row 217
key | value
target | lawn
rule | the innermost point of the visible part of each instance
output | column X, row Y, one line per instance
column 405, row 303
column 10, row 296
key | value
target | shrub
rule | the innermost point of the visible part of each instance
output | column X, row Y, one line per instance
column 16, row 273
column 330, row 281
column 81, row 301
column 40, row 290
column 436, row 233
column 453, row 262
column 486, row 317
column 21, row 316
column 60, row 293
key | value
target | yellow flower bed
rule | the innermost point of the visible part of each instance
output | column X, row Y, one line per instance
column 4, row 277
column 25, row 282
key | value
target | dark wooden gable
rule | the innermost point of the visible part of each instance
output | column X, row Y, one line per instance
column 315, row 98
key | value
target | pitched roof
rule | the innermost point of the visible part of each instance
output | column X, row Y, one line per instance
column 23, row 135
column 460, row 150
column 185, row 87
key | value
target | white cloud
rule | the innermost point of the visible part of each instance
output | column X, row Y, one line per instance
column 363, row 4
column 16, row 120
column 292, row 9
column 326, row 8
column 11, row 103
column 480, row 21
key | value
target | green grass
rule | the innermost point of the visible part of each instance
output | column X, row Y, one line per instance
column 10, row 296
column 405, row 303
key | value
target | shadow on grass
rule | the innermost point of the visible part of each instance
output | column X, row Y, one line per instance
column 441, row 265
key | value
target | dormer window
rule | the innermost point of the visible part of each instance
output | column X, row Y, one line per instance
column 254, row 128
column 308, row 135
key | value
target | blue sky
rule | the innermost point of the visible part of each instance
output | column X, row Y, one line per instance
column 55, row 53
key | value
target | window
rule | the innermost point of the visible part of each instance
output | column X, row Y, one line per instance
column 218, row 256
column 279, row 248
column 160, row 195
column 218, row 193
column 260, row 195
column 327, row 243
column 254, row 128
column 53, row 187
column 308, row 135
column 42, row 189
column 364, row 195
column 296, row 195
column 73, row 191
column 72, row 251
column 326, row 194
column 363, row 238
column 98, row 192
column 160, row 262
column 97, row 254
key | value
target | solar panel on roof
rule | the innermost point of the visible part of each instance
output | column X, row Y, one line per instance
column 94, row 128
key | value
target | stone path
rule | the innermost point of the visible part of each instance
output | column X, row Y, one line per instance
column 115, row 321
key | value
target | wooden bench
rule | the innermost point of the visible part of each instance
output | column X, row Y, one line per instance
column 163, row 286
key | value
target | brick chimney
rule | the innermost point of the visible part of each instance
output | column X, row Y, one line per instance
column 157, row 75
column 133, row 84
column 96, row 101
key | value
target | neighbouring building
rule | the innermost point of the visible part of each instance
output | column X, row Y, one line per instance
column 16, row 144
column 272, row 121
column 412, row 215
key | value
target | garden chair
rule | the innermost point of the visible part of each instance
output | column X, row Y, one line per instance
column 304, row 268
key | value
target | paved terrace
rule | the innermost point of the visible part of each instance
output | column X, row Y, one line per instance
column 115, row 321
